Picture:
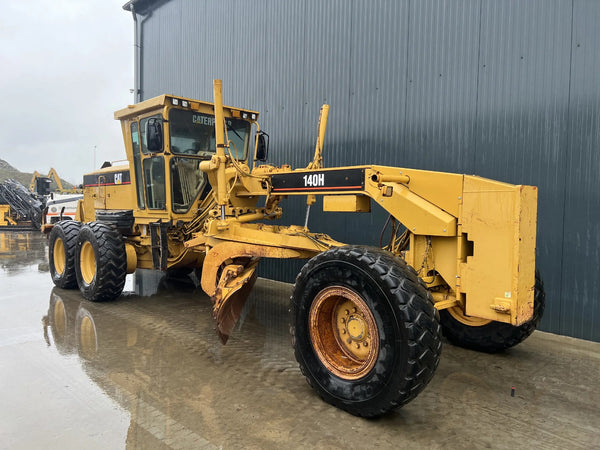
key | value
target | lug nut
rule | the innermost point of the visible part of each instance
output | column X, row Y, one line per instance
column 366, row 344
column 343, row 320
column 357, row 346
column 354, row 309
column 343, row 331
column 349, row 341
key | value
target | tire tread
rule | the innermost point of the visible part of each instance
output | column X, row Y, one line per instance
column 415, row 305
column 111, row 264
column 70, row 230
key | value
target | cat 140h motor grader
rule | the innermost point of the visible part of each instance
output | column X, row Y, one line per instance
column 366, row 322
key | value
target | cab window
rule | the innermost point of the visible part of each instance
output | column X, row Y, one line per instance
column 154, row 176
column 143, row 123
column 193, row 134
column 187, row 181
column 137, row 164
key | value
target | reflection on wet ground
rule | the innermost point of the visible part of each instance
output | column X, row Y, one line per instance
column 20, row 249
column 148, row 371
column 160, row 359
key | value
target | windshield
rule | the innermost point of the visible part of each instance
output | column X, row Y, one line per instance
column 193, row 133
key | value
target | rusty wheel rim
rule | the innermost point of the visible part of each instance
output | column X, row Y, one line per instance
column 343, row 332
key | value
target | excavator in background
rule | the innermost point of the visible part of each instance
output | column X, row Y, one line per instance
column 366, row 322
column 41, row 185
column 61, row 203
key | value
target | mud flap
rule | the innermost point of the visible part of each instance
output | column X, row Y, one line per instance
column 233, row 289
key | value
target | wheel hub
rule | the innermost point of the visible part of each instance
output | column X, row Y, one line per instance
column 356, row 327
column 343, row 332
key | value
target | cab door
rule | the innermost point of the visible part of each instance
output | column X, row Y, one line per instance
column 151, row 181
column 149, row 165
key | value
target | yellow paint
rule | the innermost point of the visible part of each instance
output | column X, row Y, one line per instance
column 131, row 258
column 87, row 262
column 347, row 203
column 59, row 256
column 220, row 159
column 444, row 301
column 317, row 161
column 471, row 321
column 5, row 219
column 500, row 219
column 417, row 207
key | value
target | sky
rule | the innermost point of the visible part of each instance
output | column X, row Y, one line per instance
column 66, row 66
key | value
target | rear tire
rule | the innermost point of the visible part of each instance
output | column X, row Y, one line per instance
column 100, row 262
column 365, row 332
column 61, row 253
column 493, row 337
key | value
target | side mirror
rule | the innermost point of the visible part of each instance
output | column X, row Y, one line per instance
column 154, row 141
column 262, row 147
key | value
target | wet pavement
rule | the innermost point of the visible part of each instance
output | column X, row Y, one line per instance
column 148, row 371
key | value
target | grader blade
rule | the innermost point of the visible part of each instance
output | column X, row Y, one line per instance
column 230, row 296
column 228, row 271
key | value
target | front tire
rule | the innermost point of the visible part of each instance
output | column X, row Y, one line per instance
column 365, row 332
column 100, row 262
column 62, row 243
column 491, row 336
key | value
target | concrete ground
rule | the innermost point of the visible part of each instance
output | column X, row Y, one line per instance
column 147, row 371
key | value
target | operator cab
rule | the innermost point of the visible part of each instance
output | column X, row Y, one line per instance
column 166, row 138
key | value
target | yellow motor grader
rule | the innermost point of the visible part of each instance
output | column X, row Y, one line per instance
column 366, row 322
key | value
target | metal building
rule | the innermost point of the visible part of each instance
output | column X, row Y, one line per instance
column 503, row 89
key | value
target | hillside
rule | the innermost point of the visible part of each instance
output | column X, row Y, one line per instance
column 7, row 171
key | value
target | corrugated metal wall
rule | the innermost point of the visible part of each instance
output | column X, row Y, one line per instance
column 504, row 89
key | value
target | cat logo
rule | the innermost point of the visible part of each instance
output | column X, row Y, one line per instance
column 118, row 178
column 202, row 119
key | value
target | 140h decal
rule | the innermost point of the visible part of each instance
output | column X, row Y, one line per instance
column 315, row 179
column 325, row 180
